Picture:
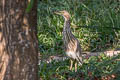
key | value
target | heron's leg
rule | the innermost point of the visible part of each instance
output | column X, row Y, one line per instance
column 71, row 64
column 76, row 64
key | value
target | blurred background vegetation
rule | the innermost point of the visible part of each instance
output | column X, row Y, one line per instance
column 95, row 23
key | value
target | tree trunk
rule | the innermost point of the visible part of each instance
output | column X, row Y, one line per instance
column 18, row 40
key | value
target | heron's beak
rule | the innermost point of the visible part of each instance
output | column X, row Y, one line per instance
column 59, row 13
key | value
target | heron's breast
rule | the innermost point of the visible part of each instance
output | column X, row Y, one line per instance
column 71, row 54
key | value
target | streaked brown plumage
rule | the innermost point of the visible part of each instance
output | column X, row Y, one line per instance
column 71, row 44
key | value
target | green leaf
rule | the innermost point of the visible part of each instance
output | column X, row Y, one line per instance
column 30, row 5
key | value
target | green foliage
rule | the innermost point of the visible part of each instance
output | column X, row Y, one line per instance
column 92, row 69
column 96, row 24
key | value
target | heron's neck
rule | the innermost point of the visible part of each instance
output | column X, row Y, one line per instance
column 66, row 25
column 67, row 34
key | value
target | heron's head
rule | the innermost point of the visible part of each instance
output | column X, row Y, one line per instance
column 64, row 13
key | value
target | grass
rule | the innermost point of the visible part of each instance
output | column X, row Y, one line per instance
column 94, row 68
column 95, row 23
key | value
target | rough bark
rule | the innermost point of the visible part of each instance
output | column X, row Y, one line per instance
column 18, row 40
